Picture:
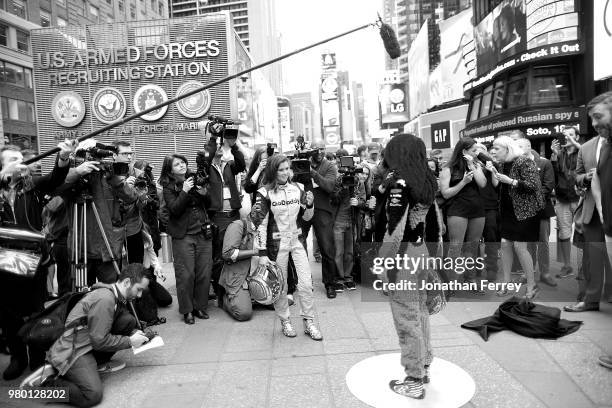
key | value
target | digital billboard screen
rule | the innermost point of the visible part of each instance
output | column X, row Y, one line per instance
column 521, row 31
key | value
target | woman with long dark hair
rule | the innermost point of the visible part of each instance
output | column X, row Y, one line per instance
column 191, row 242
column 255, row 175
column 409, row 195
column 460, row 183
column 521, row 199
column 280, row 209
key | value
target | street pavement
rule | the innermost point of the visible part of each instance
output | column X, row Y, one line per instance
column 220, row 363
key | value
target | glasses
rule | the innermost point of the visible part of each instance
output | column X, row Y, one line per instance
column 126, row 153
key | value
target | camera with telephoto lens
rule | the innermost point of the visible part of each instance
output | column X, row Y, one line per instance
column 201, row 176
column 103, row 154
column 300, row 161
column 220, row 127
column 207, row 230
column 349, row 171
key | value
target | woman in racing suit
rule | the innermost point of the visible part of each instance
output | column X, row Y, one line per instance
column 279, row 209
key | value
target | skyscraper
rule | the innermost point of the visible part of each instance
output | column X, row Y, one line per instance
column 303, row 115
column 255, row 23
column 18, row 123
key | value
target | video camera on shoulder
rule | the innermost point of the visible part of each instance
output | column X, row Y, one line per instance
column 349, row 171
column 300, row 161
column 222, row 128
column 104, row 155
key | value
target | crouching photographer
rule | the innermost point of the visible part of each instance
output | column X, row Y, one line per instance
column 21, row 205
column 97, row 326
column 191, row 232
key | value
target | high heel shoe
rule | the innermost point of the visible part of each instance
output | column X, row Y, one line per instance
column 188, row 318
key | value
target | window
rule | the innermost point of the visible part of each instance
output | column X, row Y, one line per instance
column 161, row 8
column 3, row 4
column 45, row 18
column 15, row 74
column 485, row 106
column 61, row 22
column 3, row 35
column 132, row 11
column 498, row 97
column 61, row 2
column 550, row 85
column 18, row 8
column 517, row 91
column 120, row 5
column 95, row 13
column 24, row 141
column 475, row 108
column 17, row 110
column 23, row 41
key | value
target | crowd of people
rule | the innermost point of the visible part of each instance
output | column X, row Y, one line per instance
column 237, row 216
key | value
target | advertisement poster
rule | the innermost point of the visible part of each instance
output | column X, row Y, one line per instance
column 418, row 72
column 603, row 39
column 455, row 34
column 393, row 100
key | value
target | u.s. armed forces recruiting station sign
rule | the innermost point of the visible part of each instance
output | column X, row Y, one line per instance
column 87, row 77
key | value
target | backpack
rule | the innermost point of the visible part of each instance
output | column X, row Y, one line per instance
column 45, row 327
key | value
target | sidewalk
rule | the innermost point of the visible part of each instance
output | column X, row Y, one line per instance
column 219, row 362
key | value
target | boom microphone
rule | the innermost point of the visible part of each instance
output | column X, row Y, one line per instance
column 390, row 41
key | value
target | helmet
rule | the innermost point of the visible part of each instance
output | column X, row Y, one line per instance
column 266, row 284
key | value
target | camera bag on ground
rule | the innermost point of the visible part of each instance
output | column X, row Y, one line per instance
column 42, row 329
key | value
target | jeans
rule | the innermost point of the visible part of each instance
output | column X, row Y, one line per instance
column 323, row 224
column 343, row 240
column 565, row 218
column 135, row 248
column 59, row 250
column 411, row 319
column 303, row 294
column 596, row 264
column 82, row 379
column 239, row 306
column 193, row 268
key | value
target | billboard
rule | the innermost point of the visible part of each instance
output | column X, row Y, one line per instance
column 455, row 34
column 602, row 38
column 441, row 135
column 393, row 100
column 418, row 72
column 89, row 76
column 520, row 31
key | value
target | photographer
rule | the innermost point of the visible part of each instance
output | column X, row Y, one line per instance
column 21, row 205
column 323, row 179
column 146, row 181
column 97, row 326
column 349, row 194
column 254, row 177
column 191, row 233
column 225, row 203
column 102, row 184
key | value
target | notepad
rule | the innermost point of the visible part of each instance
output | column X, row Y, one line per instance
column 155, row 342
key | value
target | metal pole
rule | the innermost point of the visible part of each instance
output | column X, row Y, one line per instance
column 194, row 91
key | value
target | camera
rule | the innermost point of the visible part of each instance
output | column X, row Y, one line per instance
column 103, row 154
column 201, row 176
column 349, row 171
column 271, row 149
column 220, row 127
column 207, row 229
column 300, row 161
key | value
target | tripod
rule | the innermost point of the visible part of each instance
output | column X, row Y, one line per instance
column 79, row 240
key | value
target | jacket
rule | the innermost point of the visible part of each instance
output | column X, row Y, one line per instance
column 527, row 197
column 234, row 273
column 97, row 313
column 340, row 199
column 565, row 176
column 110, row 195
column 226, row 177
column 179, row 204
column 587, row 160
column 26, row 211
column 325, row 176
column 279, row 213
column 547, row 178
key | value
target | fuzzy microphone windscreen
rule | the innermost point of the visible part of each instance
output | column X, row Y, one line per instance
column 390, row 41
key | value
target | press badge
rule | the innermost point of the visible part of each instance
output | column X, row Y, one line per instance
column 226, row 193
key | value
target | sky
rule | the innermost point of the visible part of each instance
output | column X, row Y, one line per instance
column 303, row 22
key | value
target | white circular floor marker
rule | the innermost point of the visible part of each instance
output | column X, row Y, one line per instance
column 449, row 387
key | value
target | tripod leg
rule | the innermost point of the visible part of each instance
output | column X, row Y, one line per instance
column 104, row 237
column 75, row 255
column 85, row 278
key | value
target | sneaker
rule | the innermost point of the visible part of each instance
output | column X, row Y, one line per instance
column 287, row 328
column 411, row 387
column 605, row 361
column 290, row 300
column 38, row 377
column 350, row 285
column 111, row 367
column 565, row 272
column 312, row 330
column 339, row 287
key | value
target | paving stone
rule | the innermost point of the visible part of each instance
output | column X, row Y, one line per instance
column 287, row 366
column 338, row 366
column 300, row 391
column 554, row 389
column 239, row 384
column 350, row 345
column 602, row 338
column 579, row 361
